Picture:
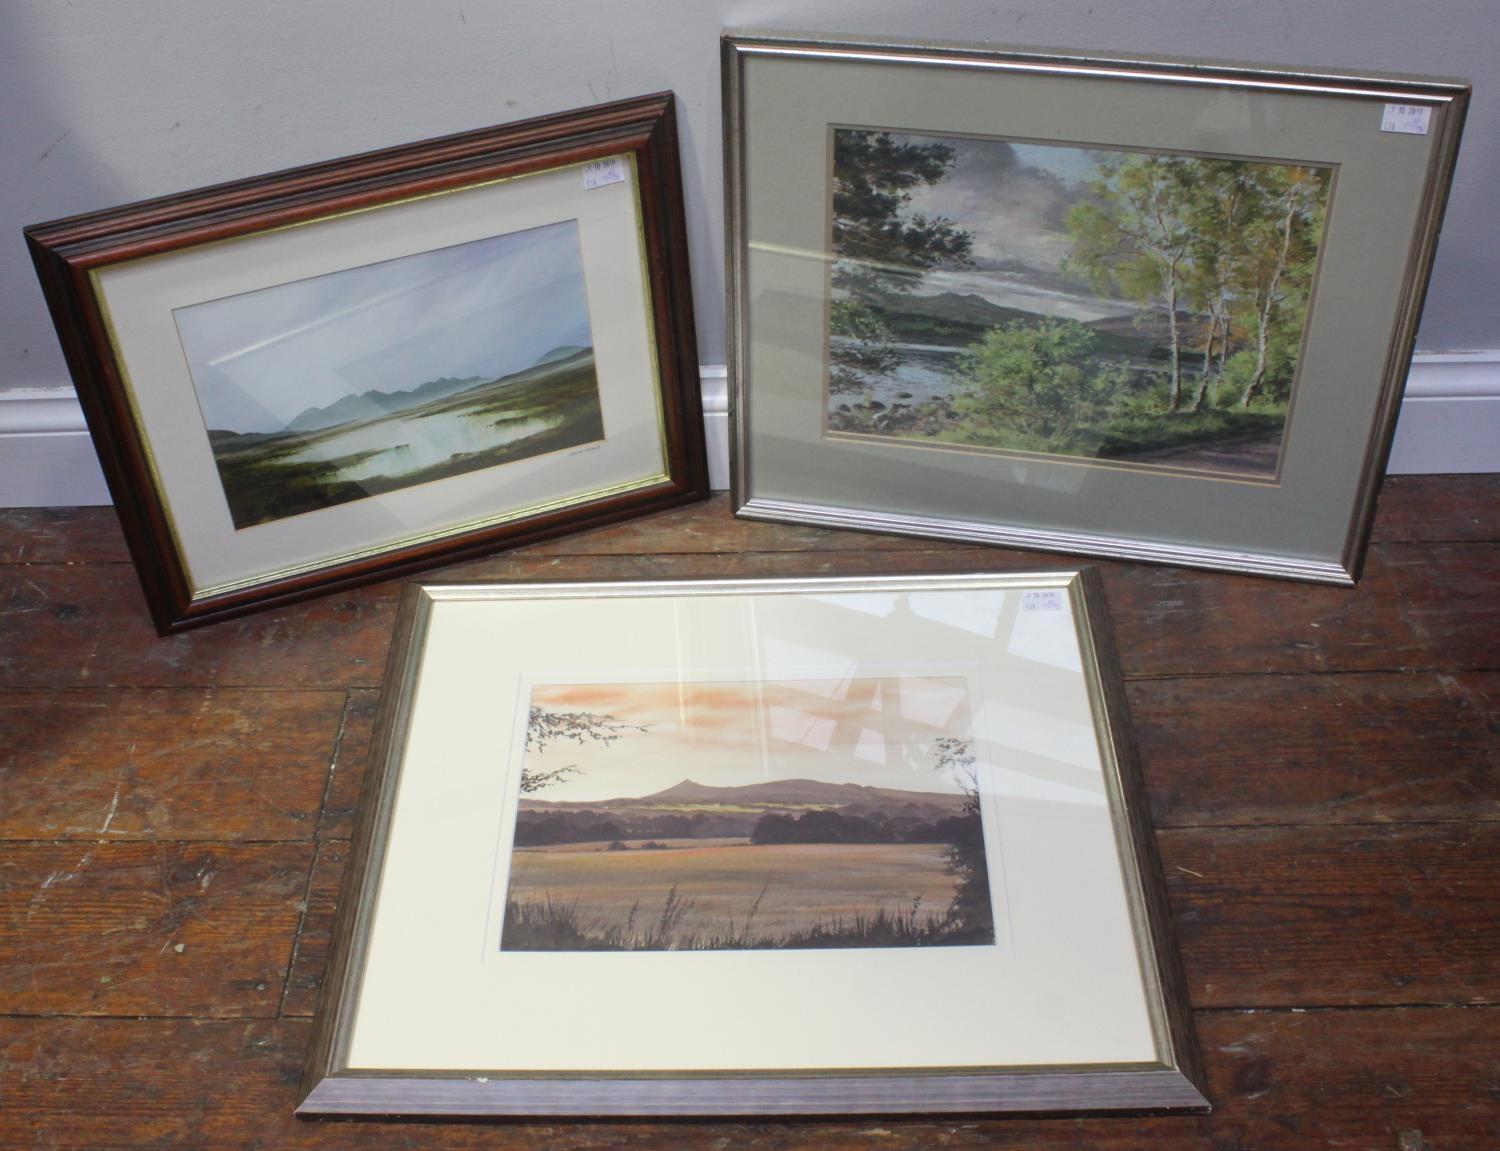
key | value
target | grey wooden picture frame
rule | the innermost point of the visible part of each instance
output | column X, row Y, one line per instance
column 784, row 95
column 1173, row 1080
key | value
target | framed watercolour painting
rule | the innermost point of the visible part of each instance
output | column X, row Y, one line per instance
column 363, row 367
column 1150, row 309
column 742, row 847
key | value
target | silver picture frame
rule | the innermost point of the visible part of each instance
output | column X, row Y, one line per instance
column 1309, row 518
column 339, row 1081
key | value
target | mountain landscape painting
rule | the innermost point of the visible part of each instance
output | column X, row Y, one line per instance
column 749, row 815
column 330, row 389
column 1142, row 308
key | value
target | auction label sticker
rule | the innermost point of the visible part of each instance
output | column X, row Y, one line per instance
column 1410, row 118
column 1048, row 599
column 598, row 173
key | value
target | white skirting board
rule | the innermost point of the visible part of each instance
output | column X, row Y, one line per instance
column 1450, row 422
column 1450, row 415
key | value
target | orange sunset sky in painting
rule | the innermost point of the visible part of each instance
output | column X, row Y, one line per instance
column 875, row 731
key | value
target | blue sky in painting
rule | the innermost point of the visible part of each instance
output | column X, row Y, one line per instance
column 486, row 308
column 1071, row 165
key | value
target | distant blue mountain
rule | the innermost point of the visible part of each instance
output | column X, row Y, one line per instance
column 566, row 352
column 373, row 405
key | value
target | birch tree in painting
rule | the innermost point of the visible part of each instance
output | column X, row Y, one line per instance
column 1136, row 236
column 1276, row 268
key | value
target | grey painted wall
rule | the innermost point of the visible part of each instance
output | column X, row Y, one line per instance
column 106, row 101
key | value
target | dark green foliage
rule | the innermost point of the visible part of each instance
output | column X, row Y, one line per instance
column 880, row 249
column 971, row 909
column 553, row 827
column 877, row 246
column 1043, row 386
column 1041, row 379
column 1132, row 425
column 866, row 346
column 821, row 827
column 1131, row 431
column 947, row 319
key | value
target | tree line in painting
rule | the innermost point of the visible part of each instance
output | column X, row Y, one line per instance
column 1232, row 241
column 1214, row 257
column 781, row 864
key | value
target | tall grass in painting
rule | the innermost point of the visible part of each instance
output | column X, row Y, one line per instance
column 548, row 924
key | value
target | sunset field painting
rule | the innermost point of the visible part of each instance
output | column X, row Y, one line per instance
column 749, row 815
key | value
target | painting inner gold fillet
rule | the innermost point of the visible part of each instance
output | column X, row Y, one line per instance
column 1146, row 309
column 764, row 815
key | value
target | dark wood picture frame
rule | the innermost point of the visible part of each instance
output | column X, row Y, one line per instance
column 69, row 252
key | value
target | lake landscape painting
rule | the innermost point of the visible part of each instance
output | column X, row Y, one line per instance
column 380, row 377
column 1142, row 308
column 749, row 815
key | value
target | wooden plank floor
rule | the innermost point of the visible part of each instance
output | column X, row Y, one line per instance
column 1323, row 766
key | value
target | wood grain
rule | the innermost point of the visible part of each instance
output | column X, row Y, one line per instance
column 148, row 929
column 1318, row 749
column 1322, row 769
column 61, row 535
column 1452, row 598
column 305, row 975
column 1284, row 1082
column 358, row 726
column 1419, row 607
column 1438, row 508
column 1264, row 917
column 1168, row 621
column 1336, row 916
column 86, row 625
column 188, row 764
column 1410, row 508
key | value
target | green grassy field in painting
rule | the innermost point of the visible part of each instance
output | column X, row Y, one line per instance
column 269, row 477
